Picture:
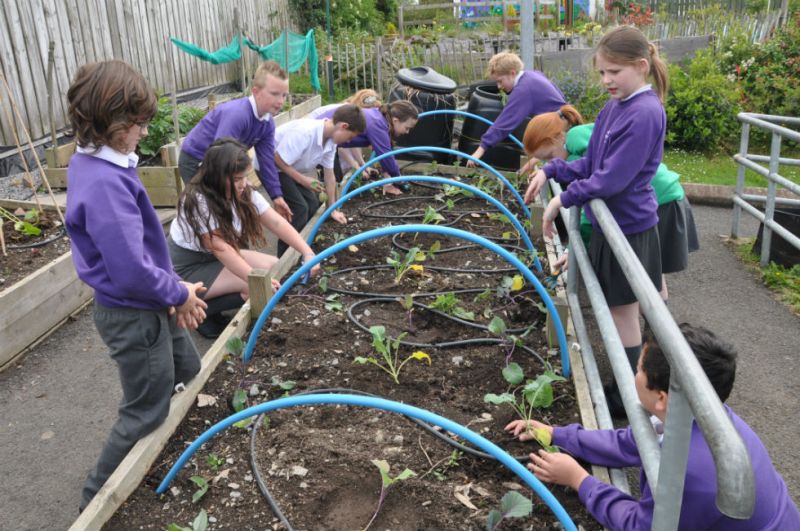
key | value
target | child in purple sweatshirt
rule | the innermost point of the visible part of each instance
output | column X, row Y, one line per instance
column 529, row 93
column 624, row 152
column 618, row 511
column 118, row 247
column 384, row 123
column 248, row 120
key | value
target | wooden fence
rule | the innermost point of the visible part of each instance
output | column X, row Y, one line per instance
column 135, row 31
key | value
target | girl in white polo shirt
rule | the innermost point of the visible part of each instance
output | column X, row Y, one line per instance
column 219, row 219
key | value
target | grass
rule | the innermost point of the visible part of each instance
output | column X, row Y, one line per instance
column 719, row 169
column 784, row 282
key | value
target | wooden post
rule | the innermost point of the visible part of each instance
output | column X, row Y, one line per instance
column 238, row 29
column 51, row 61
column 174, row 90
column 286, row 52
column 563, row 313
column 537, row 211
column 212, row 101
column 379, row 63
column 259, row 282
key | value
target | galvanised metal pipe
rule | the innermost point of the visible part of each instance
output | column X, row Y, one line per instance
column 429, row 179
column 772, row 224
column 646, row 440
column 397, row 229
column 386, row 405
column 736, row 494
column 474, row 117
column 764, row 121
column 435, row 149
column 744, row 142
column 604, row 422
column 769, row 207
column 767, row 172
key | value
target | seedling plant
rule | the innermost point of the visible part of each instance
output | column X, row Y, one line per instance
column 407, row 302
column 200, row 523
column 389, row 349
column 386, row 482
column 525, row 397
column 513, row 505
column 402, row 264
column 26, row 225
column 449, row 304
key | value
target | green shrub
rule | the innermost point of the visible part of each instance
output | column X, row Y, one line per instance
column 161, row 131
column 358, row 15
column 701, row 106
column 582, row 91
column 770, row 76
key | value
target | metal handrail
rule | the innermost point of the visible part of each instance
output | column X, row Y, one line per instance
column 691, row 394
column 745, row 160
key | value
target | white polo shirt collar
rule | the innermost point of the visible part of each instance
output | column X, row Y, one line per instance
column 265, row 117
column 123, row 160
column 643, row 89
column 516, row 79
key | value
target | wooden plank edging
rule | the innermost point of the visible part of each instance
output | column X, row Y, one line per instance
column 132, row 470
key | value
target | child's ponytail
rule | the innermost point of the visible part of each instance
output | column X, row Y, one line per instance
column 658, row 69
column 545, row 129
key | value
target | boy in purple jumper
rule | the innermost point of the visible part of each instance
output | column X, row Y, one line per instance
column 141, row 306
column 248, row 120
column 529, row 93
column 618, row 511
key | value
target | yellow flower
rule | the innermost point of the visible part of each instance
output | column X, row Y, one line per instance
column 421, row 356
column 416, row 267
column 517, row 283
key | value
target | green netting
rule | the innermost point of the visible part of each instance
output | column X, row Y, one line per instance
column 301, row 48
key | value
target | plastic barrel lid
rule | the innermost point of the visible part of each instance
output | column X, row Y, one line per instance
column 426, row 78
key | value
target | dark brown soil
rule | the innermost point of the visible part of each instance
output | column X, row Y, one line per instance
column 21, row 261
column 317, row 461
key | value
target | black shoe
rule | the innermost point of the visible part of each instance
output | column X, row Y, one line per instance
column 213, row 326
column 614, row 402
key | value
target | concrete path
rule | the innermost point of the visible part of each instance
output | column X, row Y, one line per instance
column 58, row 404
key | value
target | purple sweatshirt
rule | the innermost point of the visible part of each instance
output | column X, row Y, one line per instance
column 375, row 135
column 618, row 511
column 118, row 243
column 533, row 94
column 624, row 152
column 236, row 119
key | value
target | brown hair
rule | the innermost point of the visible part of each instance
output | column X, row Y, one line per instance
column 401, row 109
column 268, row 68
column 352, row 116
column 105, row 100
column 504, row 63
column 544, row 128
column 365, row 98
column 224, row 158
column 625, row 45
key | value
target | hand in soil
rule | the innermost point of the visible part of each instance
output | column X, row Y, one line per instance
column 558, row 468
column 523, row 429
column 339, row 217
column 391, row 190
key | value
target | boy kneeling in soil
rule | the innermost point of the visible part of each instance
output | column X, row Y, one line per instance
column 617, row 510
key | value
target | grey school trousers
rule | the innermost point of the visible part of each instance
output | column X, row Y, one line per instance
column 152, row 356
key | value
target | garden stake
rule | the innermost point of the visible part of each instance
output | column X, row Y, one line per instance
column 33, row 150
column 28, row 178
column 3, row 240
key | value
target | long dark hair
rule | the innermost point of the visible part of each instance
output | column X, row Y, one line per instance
column 225, row 158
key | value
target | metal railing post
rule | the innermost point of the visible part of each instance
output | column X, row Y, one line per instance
column 736, row 490
column 737, row 210
column 769, row 210
column 674, row 456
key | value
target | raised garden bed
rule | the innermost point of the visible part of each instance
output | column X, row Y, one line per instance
column 316, row 460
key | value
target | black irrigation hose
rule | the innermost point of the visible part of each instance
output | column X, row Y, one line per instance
column 262, row 486
column 440, row 313
column 498, row 241
column 56, row 236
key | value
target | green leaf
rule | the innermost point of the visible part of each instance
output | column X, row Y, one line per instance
column 201, row 521
column 235, row 346
column 404, row 475
column 505, row 398
column 494, row 518
column 497, row 326
column 383, row 466
column 201, row 482
column 243, row 423
column 176, row 527
column 513, row 373
column 361, row 360
column 323, row 284
column 239, row 400
column 464, row 314
column 26, row 228
column 515, row 505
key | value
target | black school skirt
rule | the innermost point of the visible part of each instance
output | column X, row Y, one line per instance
column 615, row 286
